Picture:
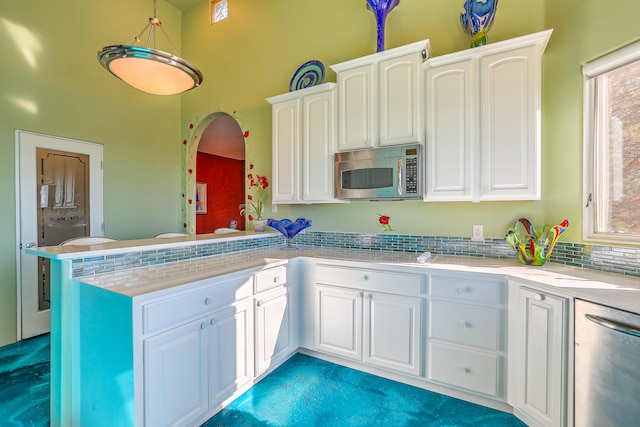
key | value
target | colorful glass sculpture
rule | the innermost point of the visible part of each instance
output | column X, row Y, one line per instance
column 477, row 20
column 533, row 247
column 289, row 229
column 381, row 9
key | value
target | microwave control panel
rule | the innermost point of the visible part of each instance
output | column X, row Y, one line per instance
column 411, row 183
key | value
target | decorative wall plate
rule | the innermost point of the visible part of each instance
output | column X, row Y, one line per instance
column 311, row 73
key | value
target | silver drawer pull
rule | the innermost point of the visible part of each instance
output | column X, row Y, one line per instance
column 203, row 325
column 208, row 300
column 259, row 303
column 464, row 324
column 461, row 290
column 276, row 279
column 213, row 321
column 464, row 370
column 365, row 277
column 539, row 297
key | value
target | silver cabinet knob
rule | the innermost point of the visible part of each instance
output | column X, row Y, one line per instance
column 30, row 245
column 259, row 303
column 208, row 300
column 463, row 370
column 203, row 325
column 276, row 279
column 539, row 297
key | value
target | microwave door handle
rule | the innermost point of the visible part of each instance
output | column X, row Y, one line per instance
column 400, row 184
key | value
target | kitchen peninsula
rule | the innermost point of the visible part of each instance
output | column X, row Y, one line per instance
column 147, row 331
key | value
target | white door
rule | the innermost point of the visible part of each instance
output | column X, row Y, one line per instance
column 274, row 328
column 54, row 177
column 339, row 321
column 393, row 332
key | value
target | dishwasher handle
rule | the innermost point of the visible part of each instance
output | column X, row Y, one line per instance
column 612, row 324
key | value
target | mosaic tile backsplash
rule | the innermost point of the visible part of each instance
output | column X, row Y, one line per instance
column 604, row 258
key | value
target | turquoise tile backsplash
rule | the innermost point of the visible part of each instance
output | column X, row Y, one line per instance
column 597, row 257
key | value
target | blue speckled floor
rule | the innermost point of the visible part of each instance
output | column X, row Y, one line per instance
column 24, row 383
column 306, row 391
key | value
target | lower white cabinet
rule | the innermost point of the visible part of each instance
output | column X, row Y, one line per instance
column 176, row 373
column 276, row 322
column 378, row 328
column 339, row 321
column 466, row 337
column 191, row 369
column 540, row 357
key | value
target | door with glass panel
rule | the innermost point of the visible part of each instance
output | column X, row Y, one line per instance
column 60, row 197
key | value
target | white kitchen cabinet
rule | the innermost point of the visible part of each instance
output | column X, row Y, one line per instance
column 276, row 327
column 539, row 353
column 379, row 98
column 483, row 122
column 339, row 321
column 231, row 361
column 176, row 375
column 303, row 145
column 189, row 369
column 362, row 315
column 392, row 332
column 276, row 316
column 466, row 339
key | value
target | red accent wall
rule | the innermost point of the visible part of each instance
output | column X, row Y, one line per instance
column 225, row 191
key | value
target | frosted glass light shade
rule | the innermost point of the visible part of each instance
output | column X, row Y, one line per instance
column 150, row 70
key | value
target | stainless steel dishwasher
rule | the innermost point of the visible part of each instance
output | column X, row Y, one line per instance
column 607, row 366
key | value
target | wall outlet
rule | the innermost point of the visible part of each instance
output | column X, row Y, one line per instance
column 477, row 233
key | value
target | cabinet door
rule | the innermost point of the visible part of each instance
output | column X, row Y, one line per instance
column 230, row 351
column 285, row 151
column 400, row 100
column 318, row 146
column 452, row 125
column 541, row 369
column 339, row 321
column 275, row 333
column 357, row 108
column 392, row 332
column 510, row 146
column 175, row 375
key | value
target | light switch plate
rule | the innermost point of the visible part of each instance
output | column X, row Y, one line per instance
column 477, row 233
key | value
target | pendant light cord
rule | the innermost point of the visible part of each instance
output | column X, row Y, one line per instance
column 153, row 23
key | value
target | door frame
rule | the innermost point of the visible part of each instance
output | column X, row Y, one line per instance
column 24, row 148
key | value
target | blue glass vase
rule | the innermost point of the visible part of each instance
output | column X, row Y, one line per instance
column 289, row 229
column 381, row 9
column 477, row 20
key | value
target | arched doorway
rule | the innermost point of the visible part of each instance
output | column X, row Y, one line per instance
column 215, row 165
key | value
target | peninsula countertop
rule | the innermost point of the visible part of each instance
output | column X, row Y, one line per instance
column 605, row 288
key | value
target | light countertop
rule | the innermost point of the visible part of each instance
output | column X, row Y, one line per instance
column 606, row 288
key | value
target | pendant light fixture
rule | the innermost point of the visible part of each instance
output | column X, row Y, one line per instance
column 149, row 69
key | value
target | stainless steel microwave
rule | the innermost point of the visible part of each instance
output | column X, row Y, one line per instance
column 379, row 173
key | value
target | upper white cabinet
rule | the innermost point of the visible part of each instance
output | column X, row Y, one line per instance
column 483, row 122
column 304, row 135
column 380, row 98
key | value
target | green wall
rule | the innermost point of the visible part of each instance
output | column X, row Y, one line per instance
column 253, row 54
column 249, row 57
column 52, row 83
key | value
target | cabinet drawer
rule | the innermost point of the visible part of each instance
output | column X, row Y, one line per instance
column 186, row 306
column 466, row 324
column 374, row 280
column 460, row 289
column 468, row 369
column 268, row 279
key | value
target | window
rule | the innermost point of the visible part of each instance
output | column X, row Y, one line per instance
column 612, row 147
